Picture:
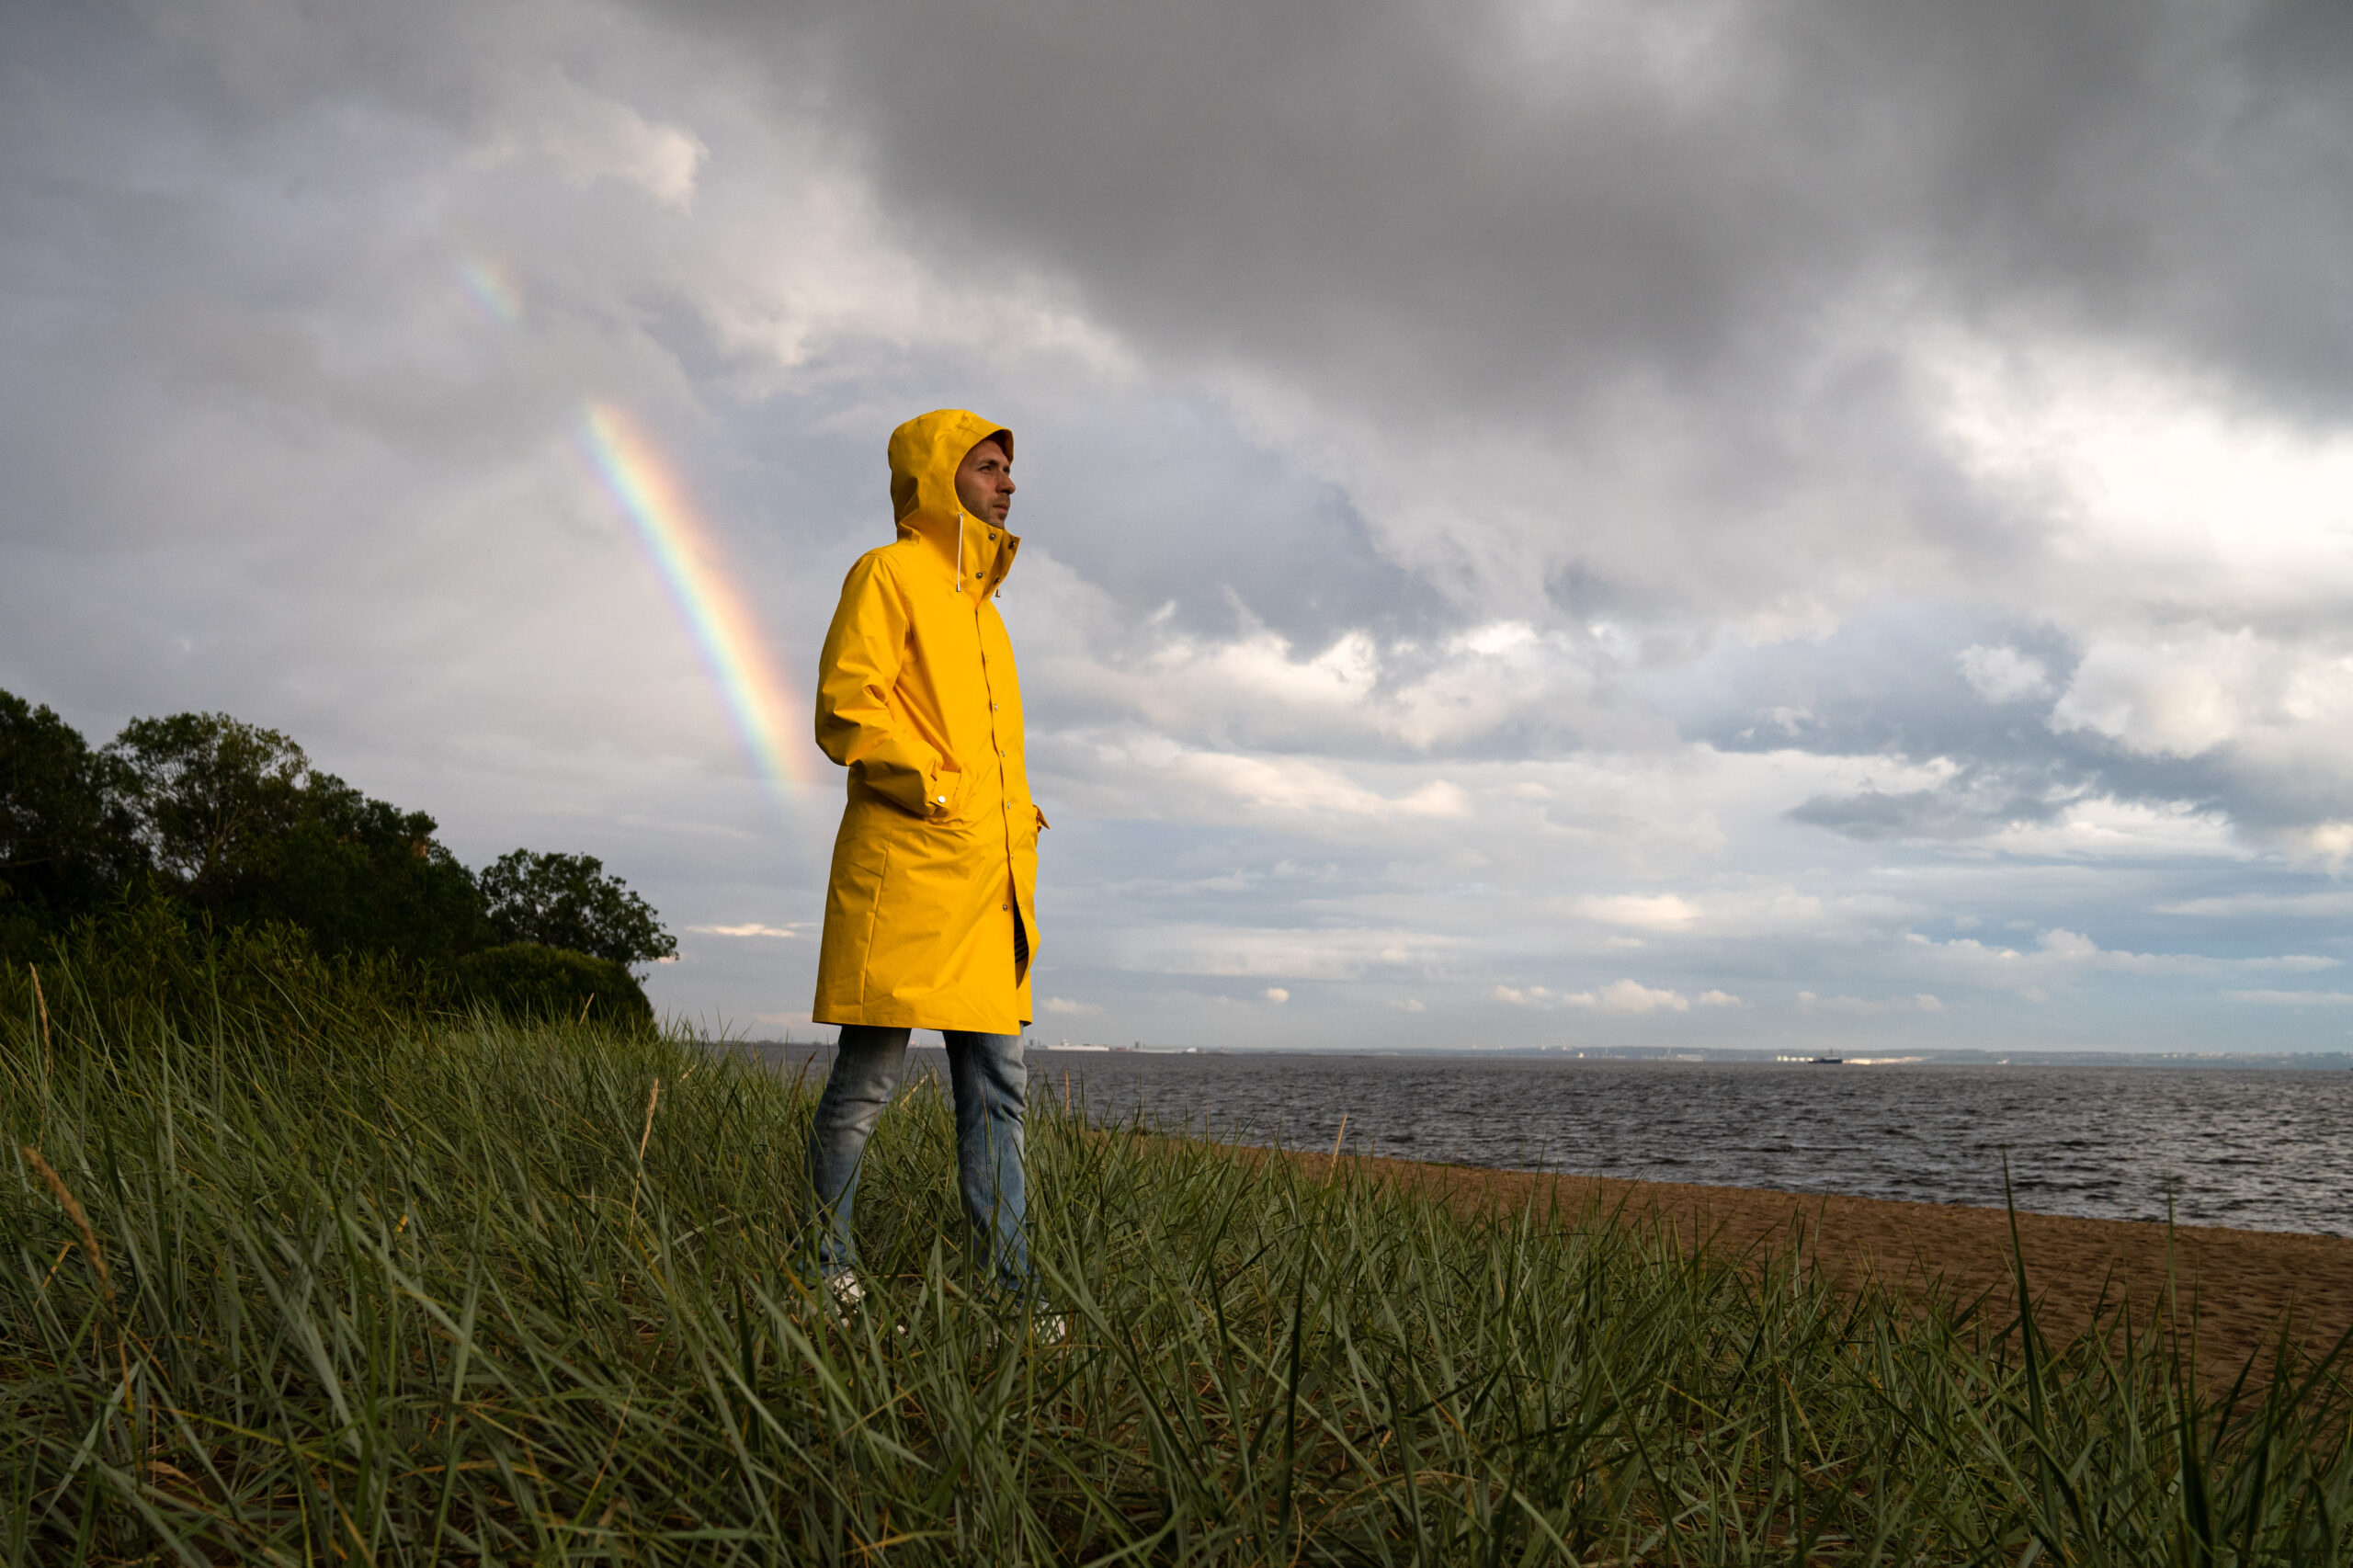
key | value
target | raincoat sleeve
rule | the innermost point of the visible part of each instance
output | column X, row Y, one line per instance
column 857, row 725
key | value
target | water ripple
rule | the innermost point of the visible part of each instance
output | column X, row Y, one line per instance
column 2258, row 1149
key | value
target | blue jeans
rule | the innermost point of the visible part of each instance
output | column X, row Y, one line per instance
column 992, row 1090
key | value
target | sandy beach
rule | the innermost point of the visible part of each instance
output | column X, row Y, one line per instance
column 2241, row 1284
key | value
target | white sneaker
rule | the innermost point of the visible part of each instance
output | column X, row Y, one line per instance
column 844, row 1288
column 846, row 1292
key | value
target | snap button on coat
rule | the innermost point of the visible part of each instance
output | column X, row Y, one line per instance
column 919, row 699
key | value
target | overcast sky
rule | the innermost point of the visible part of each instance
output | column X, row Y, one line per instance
column 1801, row 525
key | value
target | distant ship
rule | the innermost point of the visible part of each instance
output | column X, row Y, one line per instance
column 1829, row 1061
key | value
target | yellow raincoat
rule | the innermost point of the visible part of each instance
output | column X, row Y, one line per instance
column 935, row 865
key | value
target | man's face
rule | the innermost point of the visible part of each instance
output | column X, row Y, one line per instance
column 985, row 482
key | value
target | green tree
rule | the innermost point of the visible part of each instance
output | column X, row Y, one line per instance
column 566, row 901
column 231, row 820
column 210, row 794
column 360, row 874
column 68, row 838
column 238, row 822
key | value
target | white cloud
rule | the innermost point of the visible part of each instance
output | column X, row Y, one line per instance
column 2330, row 843
column 1865, row 1007
column 1623, row 996
column 1201, row 783
column 1065, row 1006
column 2003, row 674
column 2294, row 998
column 2195, row 553
column 2177, row 697
column 754, row 929
column 2104, row 828
column 1628, row 996
column 1277, row 995
column 587, row 137
column 1663, row 912
column 1259, row 667
column 2061, row 956
column 1239, row 951
column 1713, row 998
column 2332, row 905
column 2180, row 495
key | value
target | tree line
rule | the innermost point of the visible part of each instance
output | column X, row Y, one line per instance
column 229, row 824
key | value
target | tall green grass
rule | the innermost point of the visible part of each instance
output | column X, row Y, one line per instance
column 384, row 1292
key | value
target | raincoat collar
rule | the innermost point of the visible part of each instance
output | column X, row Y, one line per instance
column 972, row 554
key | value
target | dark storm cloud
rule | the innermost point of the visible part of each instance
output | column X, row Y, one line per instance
column 1611, row 309
column 1452, row 208
column 1164, row 503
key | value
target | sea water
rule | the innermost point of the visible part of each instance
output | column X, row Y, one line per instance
column 2254, row 1148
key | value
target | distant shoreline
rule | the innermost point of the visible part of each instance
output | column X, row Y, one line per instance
column 2306, row 1061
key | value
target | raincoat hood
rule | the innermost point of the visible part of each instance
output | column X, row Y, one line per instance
column 924, row 454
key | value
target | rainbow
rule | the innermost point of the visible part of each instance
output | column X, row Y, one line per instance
column 491, row 292
column 687, row 557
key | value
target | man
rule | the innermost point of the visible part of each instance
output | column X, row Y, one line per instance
column 928, row 912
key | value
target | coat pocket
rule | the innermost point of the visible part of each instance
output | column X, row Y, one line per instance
column 854, row 901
